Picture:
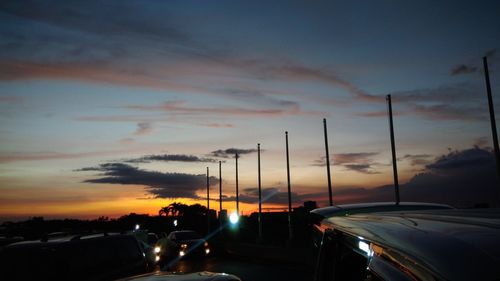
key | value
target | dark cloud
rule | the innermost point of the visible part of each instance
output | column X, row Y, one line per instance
column 343, row 158
column 457, row 160
column 462, row 178
column 231, row 152
column 359, row 162
column 171, row 158
column 362, row 168
column 161, row 185
column 463, row 69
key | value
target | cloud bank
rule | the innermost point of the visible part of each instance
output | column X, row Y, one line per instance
column 160, row 185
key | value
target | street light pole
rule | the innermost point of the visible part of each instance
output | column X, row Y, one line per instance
column 260, row 193
column 393, row 149
column 290, row 230
column 492, row 115
column 208, row 201
column 237, row 195
column 330, row 197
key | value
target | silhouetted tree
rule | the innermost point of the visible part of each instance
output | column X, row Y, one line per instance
column 174, row 209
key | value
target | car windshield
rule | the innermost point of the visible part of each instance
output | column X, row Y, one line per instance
column 187, row 235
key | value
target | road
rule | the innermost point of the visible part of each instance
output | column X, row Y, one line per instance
column 247, row 270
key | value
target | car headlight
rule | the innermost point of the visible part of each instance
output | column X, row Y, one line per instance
column 157, row 249
column 184, row 246
column 206, row 244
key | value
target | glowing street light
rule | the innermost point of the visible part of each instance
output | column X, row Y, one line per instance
column 234, row 218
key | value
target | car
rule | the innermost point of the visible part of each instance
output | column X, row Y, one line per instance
column 438, row 244
column 182, row 243
column 76, row 257
column 319, row 214
column 197, row 276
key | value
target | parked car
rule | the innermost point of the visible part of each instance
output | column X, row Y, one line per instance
column 318, row 215
column 76, row 257
column 197, row 276
column 439, row 244
column 179, row 244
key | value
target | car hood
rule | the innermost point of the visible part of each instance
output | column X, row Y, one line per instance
column 197, row 276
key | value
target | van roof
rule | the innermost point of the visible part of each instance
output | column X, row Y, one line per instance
column 454, row 244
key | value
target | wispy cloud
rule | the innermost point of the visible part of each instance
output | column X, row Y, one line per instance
column 43, row 156
column 450, row 102
column 217, row 125
column 143, row 128
column 160, row 185
column 64, row 41
column 181, row 108
column 10, row 99
column 463, row 69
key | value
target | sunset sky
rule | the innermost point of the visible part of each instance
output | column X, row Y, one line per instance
column 112, row 107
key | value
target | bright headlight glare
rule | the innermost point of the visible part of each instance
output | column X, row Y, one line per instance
column 207, row 251
column 184, row 246
column 157, row 249
column 181, row 253
column 157, row 258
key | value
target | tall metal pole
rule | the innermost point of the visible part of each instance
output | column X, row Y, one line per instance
column 492, row 115
column 260, row 193
column 237, row 192
column 328, row 164
column 290, row 230
column 220, row 189
column 208, row 201
column 393, row 148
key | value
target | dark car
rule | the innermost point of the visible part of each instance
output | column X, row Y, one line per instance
column 318, row 215
column 411, row 245
column 88, row 257
column 179, row 244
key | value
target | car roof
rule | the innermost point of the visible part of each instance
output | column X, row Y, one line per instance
column 453, row 244
column 345, row 209
column 63, row 239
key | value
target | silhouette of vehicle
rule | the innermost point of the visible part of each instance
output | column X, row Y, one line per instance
column 439, row 244
column 197, row 276
column 76, row 257
column 318, row 215
column 179, row 244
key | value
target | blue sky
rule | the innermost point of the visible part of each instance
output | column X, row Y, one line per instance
column 88, row 85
